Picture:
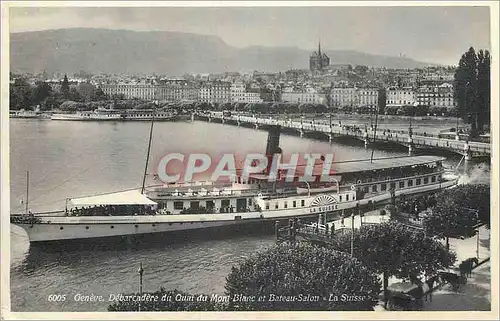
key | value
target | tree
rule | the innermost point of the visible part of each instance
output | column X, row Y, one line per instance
column 99, row 95
column 483, row 88
column 472, row 89
column 20, row 94
column 50, row 102
column 458, row 211
column 65, row 88
column 393, row 249
column 297, row 270
column 74, row 95
column 361, row 70
column 382, row 96
column 86, row 91
column 118, row 96
column 41, row 93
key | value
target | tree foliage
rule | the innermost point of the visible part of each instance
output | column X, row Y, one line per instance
column 20, row 95
column 65, row 88
column 458, row 210
column 483, row 88
column 301, row 269
column 472, row 89
column 394, row 249
column 382, row 96
column 41, row 92
column 24, row 95
column 361, row 70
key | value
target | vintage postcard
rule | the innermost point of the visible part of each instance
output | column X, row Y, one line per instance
column 258, row 160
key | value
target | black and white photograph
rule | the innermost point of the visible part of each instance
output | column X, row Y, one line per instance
column 249, row 157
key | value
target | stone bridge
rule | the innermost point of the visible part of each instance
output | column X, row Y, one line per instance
column 409, row 139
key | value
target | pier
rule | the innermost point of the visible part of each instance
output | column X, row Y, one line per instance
column 322, row 231
column 367, row 135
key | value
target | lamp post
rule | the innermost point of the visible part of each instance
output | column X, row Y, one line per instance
column 477, row 244
column 27, row 190
column 352, row 235
column 141, row 272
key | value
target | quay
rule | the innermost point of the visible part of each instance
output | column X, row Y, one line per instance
column 323, row 231
column 409, row 139
column 432, row 295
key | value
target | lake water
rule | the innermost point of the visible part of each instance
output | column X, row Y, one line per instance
column 70, row 159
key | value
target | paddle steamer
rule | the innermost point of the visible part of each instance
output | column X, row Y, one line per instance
column 203, row 205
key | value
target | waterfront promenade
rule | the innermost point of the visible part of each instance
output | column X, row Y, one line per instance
column 475, row 295
column 366, row 134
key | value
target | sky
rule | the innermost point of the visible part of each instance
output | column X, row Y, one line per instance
column 429, row 34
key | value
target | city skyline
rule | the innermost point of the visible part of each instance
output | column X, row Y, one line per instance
column 394, row 31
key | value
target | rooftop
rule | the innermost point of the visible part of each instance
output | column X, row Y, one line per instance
column 131, row 197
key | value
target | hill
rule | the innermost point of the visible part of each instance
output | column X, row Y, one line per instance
column 162, row 52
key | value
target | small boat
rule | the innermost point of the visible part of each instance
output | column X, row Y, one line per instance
column 100, row 114
column 104, row 114
column 26, row 114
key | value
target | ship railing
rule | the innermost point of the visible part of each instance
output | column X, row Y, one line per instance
column 311, row 232
column 25, row 219
column 208, row 193
column 184, row 184
column 347, row 185
column 50, row 213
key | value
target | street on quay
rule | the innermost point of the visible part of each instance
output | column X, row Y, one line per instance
column 475, row 295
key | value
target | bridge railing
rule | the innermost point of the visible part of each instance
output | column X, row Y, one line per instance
column 432, row 140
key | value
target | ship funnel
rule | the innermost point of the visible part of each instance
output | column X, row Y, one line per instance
column 273, row 142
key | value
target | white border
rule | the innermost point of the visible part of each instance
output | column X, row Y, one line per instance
column 5, row 191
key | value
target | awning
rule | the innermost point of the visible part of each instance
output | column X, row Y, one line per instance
column 133, row 197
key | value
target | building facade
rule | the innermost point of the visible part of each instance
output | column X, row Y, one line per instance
column 397, row 96
column 436, row 96
column 367, row 97
column 163, row 92
column 215, row 92
column 344, row 97
column 220, row 92
column 240, row 94
column 309, row 96
column 129, row 91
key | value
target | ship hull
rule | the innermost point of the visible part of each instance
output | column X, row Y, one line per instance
column 77, row 117
column 69, row 229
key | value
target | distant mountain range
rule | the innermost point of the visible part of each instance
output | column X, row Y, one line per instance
column 161, row 52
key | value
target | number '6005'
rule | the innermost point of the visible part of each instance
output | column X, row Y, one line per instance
column 56, row 297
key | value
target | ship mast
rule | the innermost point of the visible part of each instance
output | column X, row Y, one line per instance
column 149, row 149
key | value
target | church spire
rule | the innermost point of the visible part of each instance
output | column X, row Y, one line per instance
column 319, row 48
